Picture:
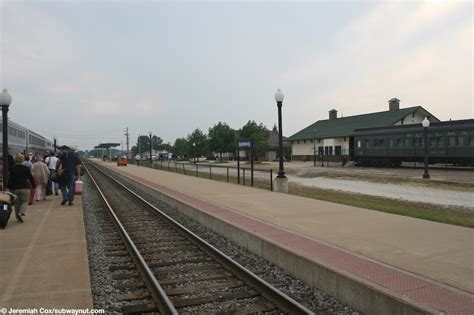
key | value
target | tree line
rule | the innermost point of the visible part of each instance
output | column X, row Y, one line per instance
column 219, row 140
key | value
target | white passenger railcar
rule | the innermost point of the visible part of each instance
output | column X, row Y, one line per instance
column 23, row 140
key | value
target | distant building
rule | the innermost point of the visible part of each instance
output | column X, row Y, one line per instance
column 332, row 137
column 271, row 154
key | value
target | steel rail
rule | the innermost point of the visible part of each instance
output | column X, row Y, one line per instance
column 282, row 301
column 158, row 294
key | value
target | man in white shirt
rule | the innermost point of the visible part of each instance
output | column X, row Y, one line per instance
column 51, row 161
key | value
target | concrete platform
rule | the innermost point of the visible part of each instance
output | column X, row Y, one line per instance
column 44, row 260
column 380, row 263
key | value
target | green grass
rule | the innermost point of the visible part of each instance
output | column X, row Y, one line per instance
column 449, row 215
column 437, row 213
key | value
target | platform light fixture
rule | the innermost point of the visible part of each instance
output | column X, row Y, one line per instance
column 426, row 124
column 150, row 134
column 279, row 96
column 5, row 101
column 314, row 148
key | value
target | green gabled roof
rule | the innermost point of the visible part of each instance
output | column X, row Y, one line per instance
column 344, row 126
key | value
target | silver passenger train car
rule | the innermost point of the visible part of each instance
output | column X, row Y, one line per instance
column 23, row 140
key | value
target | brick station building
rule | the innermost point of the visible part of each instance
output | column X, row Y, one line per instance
column 333, row 137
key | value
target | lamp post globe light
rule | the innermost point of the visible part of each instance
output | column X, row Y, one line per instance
column 150, row 134
column 281, row 181
column 194, row 152
column 426, row 124
column 5, row 101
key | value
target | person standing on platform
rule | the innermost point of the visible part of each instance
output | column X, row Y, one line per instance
column 72, row 169
column 28, row 162
column 41, row 175
column 52, row 161
column 18, row 182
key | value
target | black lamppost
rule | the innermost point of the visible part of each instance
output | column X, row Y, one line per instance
column 5, row 101
column 314, row 148
column 279, row 99
column 426, row 124
column 150, row 134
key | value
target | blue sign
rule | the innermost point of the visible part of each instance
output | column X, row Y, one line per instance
column 244, row 144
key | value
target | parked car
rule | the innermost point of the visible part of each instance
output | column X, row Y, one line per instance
column 122, row 161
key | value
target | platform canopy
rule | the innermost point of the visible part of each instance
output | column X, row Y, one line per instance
column 106, row 145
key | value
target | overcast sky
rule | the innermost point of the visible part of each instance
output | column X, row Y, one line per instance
column 83, row 71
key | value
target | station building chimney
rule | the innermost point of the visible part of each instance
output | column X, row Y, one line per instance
column 332, row 114
column 394, row 104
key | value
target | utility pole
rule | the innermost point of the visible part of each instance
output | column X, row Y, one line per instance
column 128, row 152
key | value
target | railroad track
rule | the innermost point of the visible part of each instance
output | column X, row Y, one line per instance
column 167, row 268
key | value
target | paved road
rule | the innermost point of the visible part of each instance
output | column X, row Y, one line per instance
column 410, row 193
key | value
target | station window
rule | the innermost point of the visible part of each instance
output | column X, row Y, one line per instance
column 337, row 150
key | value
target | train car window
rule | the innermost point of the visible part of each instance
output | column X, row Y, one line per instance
column 366, row 143
column 406, row 142
column 471, row 141
column 400, row 142
column 461, row 141
column 452, row 141
column 359, row 144
column 390, row 143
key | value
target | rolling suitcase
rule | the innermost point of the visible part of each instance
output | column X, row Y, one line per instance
column 5, row 209
column 78, row 187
